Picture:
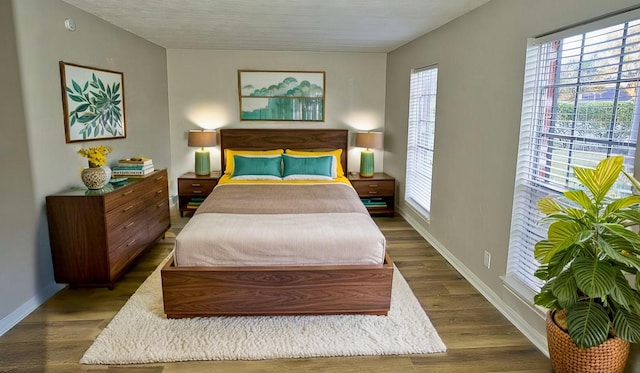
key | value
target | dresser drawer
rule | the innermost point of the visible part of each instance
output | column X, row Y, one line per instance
column 157, row 180
column 374, row 187
column 123, row 196
column 125, row 212
column 196, row 187
column 158, row 222
column 127, row 230
column 157, row 193
column 120, row 256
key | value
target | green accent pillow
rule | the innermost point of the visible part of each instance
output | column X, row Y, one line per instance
column 301, row 165
column 268, row 165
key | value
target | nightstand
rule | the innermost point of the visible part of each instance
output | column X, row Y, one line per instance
column 193, row 189
column 378, row 193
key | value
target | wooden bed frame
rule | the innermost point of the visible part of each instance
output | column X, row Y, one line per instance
column 278, row 290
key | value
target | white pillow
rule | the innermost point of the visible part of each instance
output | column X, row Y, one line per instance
column 256, row 177
column 307, row 177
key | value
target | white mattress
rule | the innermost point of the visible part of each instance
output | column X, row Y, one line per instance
column 218, row 239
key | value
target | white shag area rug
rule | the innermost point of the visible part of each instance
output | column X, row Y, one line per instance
column 141, row 333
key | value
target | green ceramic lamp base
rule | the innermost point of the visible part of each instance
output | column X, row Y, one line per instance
column 366, row 163
column 203, row 165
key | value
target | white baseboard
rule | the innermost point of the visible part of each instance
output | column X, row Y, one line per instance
column 539, row 340
column 29, row 306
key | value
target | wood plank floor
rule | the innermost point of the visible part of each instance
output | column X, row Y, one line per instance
column 479, row 339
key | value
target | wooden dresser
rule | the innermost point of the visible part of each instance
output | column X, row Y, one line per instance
column 96, row 234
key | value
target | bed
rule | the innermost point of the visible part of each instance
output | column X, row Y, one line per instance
column 326, row 279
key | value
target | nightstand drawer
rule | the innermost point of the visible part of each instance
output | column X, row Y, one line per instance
column 374, row 187
column 196, row 187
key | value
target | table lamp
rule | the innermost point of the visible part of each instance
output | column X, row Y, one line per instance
column 368, row 140
column 202, row 139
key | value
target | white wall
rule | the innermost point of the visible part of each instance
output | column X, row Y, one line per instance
column 17, row 221
column 203, row 93
column 42, row 162
column 481, row 71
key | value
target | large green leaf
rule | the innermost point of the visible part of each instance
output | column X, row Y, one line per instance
column 548, row 205
column 631, row 217
column 561, row 260
column 581, row 198
column 622, row 232
column 600, row 180
column 594, row 278
column 622, row 293
column 621, row 203
column 627, row 326
column 634, row 181
column 565, row 289
column 564, row 234
column 545, row 297
column 615, row 253
column 542, row 248
column 589, row 324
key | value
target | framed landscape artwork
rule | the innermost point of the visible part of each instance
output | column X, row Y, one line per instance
column 93, row 103
column 281, row 95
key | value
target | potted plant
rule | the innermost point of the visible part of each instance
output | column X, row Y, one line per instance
column 587, row 262
column 98, row 174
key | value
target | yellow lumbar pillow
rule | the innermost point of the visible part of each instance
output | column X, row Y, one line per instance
column 229, row 153
column 336, row 153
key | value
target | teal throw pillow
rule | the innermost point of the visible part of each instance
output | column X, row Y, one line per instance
column 300, row 165
column 271, row 166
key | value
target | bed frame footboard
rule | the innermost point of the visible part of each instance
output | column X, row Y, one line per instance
column 271, row 290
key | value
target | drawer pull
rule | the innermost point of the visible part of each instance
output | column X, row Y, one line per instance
column 195, row 185
column 129, row 225
column 127, row 192
column 159, row 178
column 160, row 204
column 197, row 192
column 373, row 192
column 127, row 208
column 132, row 242
column 373, row 186
column 159, row 191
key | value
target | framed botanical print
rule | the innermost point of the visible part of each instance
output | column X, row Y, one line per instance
column 281, row 95
column 93, row 103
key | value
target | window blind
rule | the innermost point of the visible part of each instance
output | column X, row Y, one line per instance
column 420, row 141
column 581, row 104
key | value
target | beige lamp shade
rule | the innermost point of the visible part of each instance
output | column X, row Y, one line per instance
column 369, row 140
column 202, row 138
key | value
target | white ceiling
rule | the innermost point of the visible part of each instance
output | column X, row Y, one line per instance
column 281, row 25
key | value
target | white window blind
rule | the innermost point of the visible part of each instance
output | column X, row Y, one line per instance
column 421, row 132
column 580, row 105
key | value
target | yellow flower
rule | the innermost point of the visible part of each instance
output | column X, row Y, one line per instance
column 97, row 156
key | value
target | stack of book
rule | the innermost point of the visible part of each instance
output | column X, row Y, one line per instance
column 195, row 202
column 133, row 167
column 374, row 202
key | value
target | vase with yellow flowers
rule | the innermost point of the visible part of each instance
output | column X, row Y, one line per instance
column 98, row 174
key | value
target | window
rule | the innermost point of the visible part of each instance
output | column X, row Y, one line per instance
column 422, row 124
column 580, row 104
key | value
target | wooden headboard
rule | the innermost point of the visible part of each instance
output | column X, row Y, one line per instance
column 299, row 139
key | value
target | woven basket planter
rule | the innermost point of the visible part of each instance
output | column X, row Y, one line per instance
column 567, row 357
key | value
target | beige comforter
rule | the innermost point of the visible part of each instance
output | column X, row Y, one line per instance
column 282, row 199
column 274, row 224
